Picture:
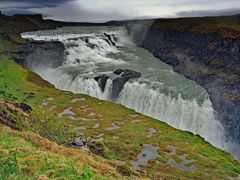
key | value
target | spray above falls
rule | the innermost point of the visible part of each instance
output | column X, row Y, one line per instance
column 93, row 54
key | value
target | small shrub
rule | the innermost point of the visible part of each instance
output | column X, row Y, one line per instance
column 52, row 129
column 125, row 170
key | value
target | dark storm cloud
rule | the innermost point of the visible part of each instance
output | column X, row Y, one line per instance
column 31, row 3
column 11, row 7
column 12, row 11
column 222, row 12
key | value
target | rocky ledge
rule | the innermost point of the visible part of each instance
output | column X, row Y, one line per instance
column 39, row 54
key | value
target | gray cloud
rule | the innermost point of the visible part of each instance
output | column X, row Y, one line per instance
column 73, row 12
column 103, row 10
column 12, row 11
column 31, row 3
column 222, row 12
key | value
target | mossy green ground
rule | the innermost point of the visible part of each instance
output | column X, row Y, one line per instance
column 121, row 131
column 24, row 155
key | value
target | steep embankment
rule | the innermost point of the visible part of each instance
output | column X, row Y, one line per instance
column 206, row 50
column 113, row 131
column 27, row 155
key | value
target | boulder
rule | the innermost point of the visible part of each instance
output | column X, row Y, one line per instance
column 79, row 141
column 102, row 81
column 124, row 76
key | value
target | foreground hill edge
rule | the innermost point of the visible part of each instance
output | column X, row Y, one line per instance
column 20, row 85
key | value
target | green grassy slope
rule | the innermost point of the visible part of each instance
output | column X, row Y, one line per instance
column 24, row 155
column 121, row 133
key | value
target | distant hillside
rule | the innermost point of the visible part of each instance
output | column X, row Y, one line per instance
column 226, row 26
column 12, row 26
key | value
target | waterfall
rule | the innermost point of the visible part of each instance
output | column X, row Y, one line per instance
column 160, row 93
column 182, row 114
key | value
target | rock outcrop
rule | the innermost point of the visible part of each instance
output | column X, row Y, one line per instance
column 39, row 54
column 102, row 81
column 8, row 113
column 26, row 108
column 119, row 78
column 123, row 77
column 80, row 141
column 207, row 53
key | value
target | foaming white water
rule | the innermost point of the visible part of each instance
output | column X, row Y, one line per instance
column 87, row 49
column 78, row 84
column 179, row 113
column 171, row 98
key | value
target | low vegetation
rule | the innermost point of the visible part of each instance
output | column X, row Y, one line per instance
column 120, row 135
column 24, row 155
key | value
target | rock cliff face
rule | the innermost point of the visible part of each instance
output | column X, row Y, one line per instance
column 207, row 53
column 39, row 55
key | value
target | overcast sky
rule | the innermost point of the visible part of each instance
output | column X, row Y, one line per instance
column 104, row 10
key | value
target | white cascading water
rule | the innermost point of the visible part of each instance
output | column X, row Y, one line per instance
column 159, row 93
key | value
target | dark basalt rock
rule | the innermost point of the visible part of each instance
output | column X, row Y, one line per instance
column 124, row 76
column 102, row 80
column 109, row 39
column 119, row 79
column 24, row 107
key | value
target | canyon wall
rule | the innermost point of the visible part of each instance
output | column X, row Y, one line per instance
column 206, row 50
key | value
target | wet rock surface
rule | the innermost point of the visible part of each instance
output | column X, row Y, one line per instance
column 184, row 163
column 102, row 81
column 119, row 78
column 149, row 152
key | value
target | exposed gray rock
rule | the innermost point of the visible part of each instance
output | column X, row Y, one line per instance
column 80, row 141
